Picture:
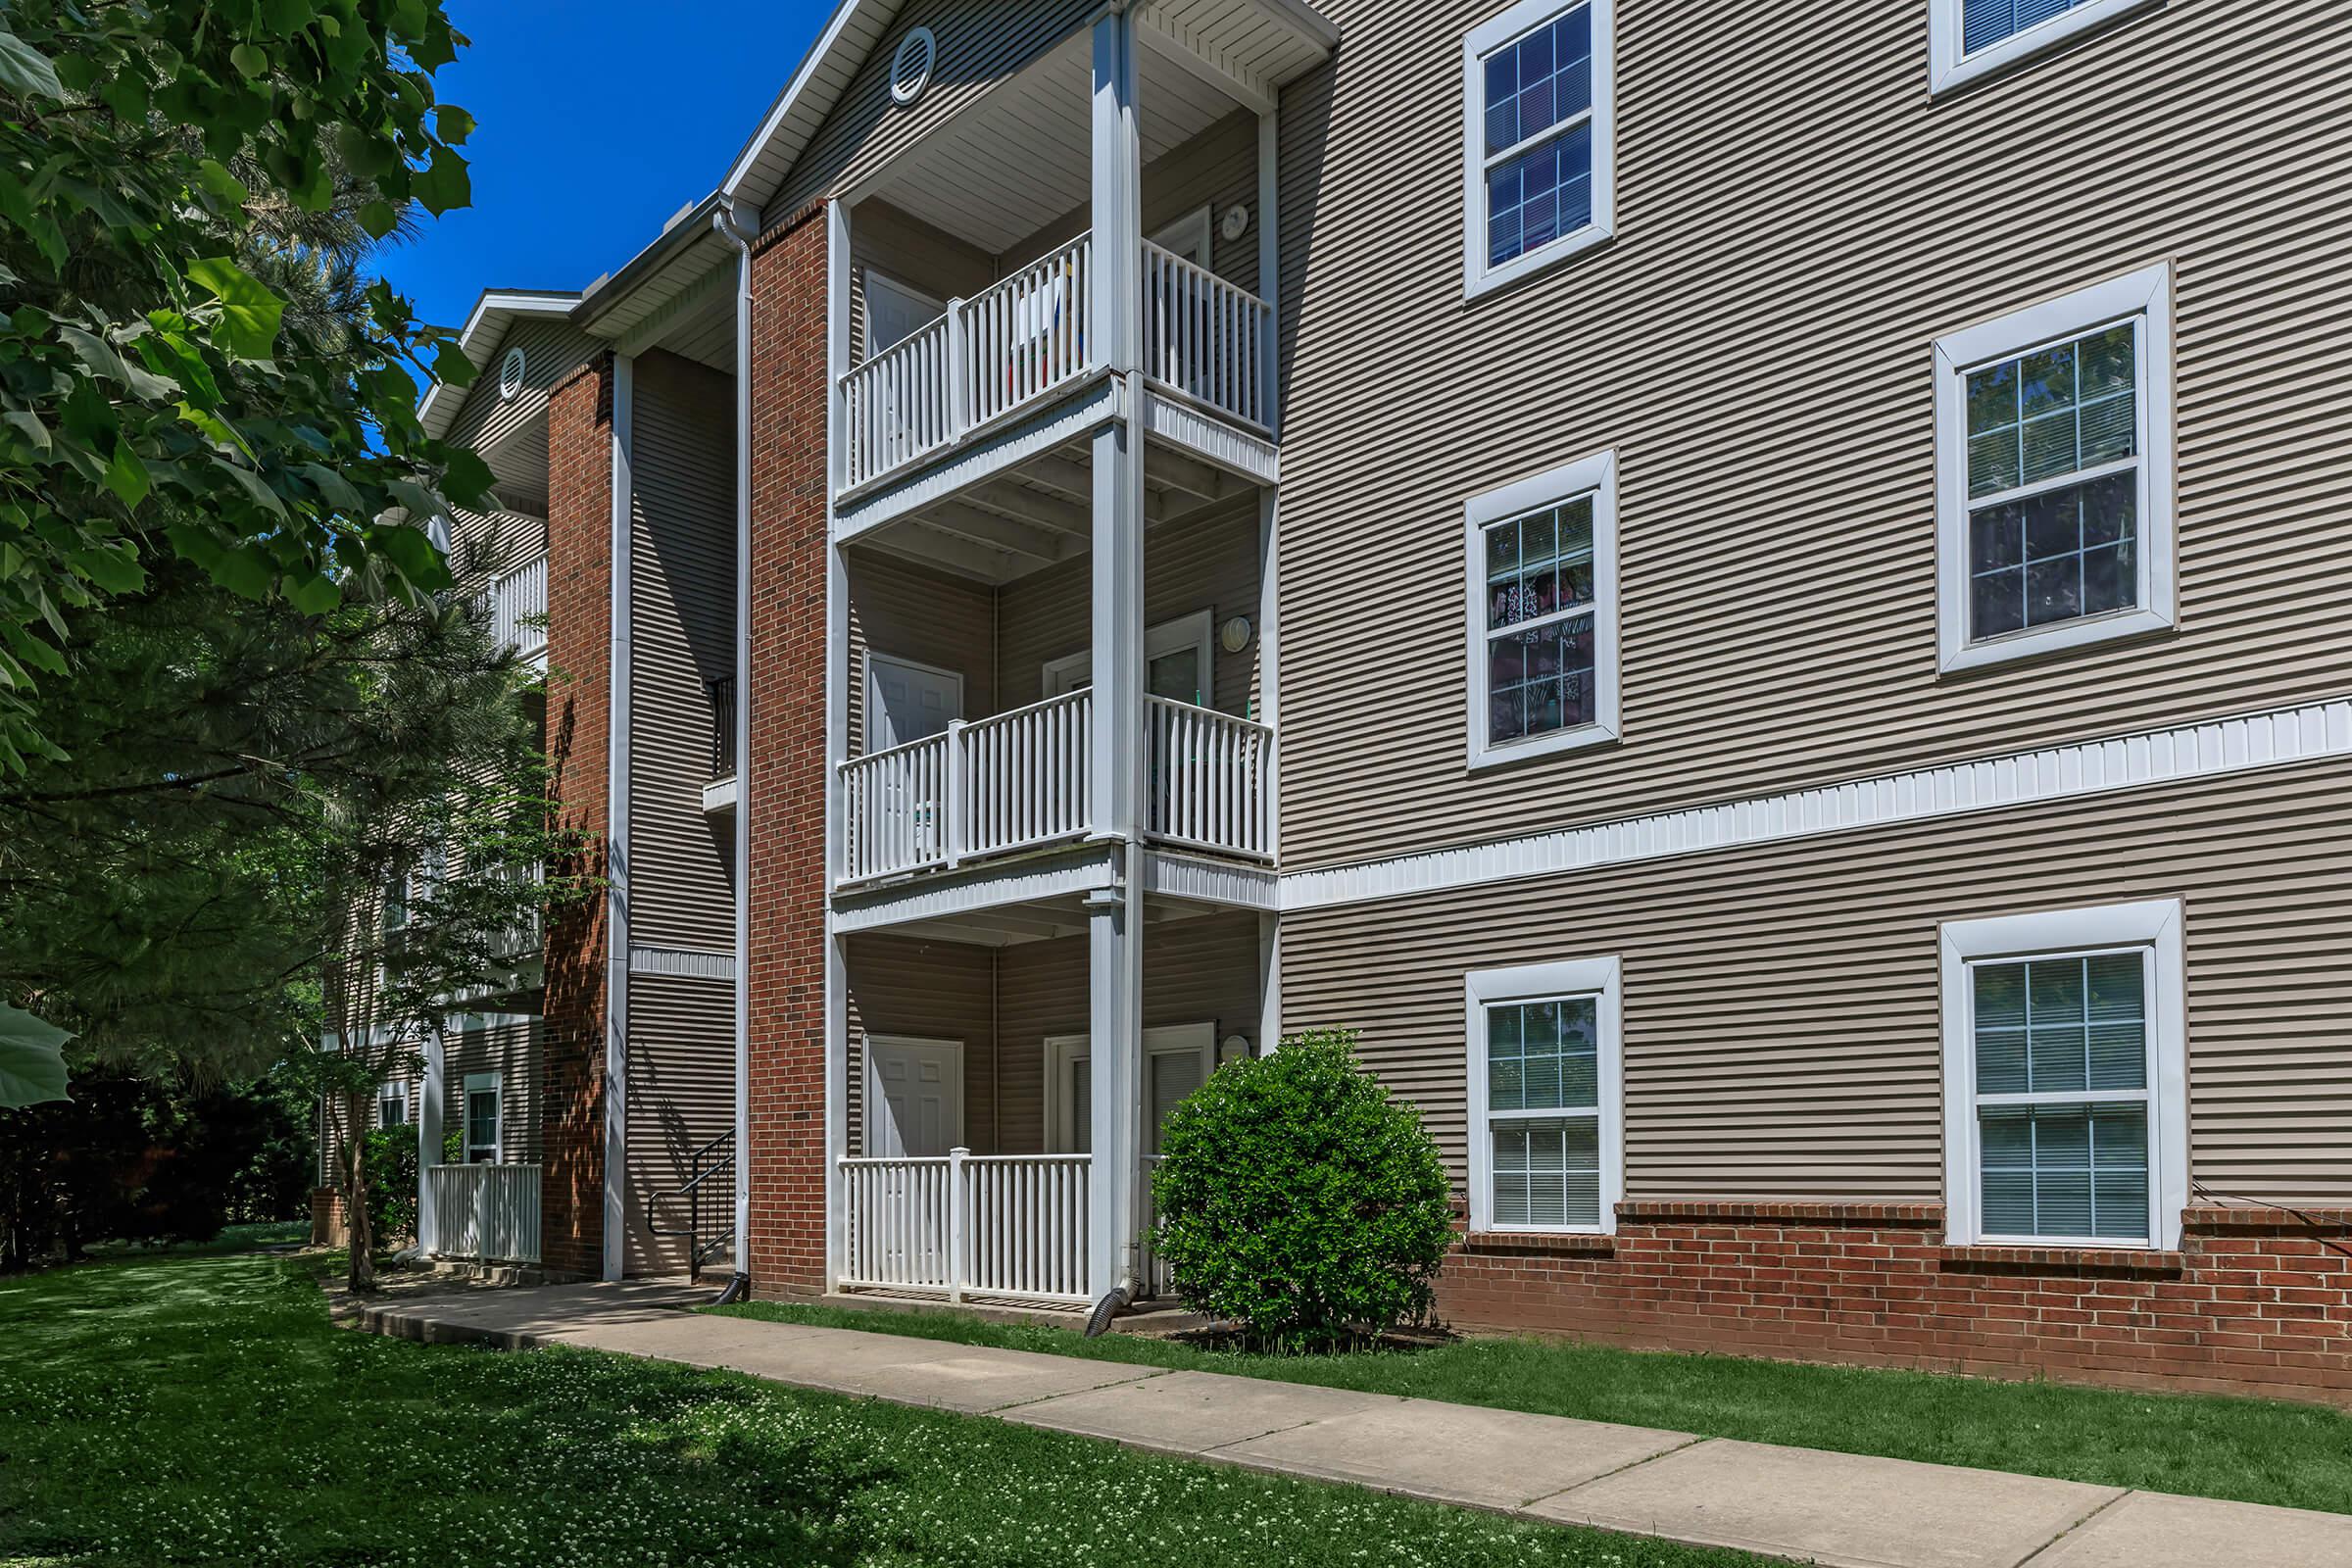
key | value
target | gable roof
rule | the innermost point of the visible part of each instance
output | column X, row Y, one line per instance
column 497, row 310
column 800, row 109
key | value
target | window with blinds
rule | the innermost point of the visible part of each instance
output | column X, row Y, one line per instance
column 2062, row 1100
column 1543, row 1112
column 1535, row 153
column 1986, row 23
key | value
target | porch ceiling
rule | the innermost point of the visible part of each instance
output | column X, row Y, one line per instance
column 1039, row 511
column 1019, row 158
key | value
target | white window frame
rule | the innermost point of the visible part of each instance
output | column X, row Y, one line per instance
column 1065, row 1052
column 1949, row 69
column 1478, row 277
column 474, row 1083
column 1594, row 476
column 396, row 1092
column 1068, row 673
column 1602, row 979
column 2144, row 296
column 2153, row 927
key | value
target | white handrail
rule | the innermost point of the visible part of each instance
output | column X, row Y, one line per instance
column 1006, row 1225
column 1205, row 338
column 1021, row 776
column 1028, row 331
column 895, row 809
column 896, row 406
column 485, row 1213
column 517, row 603
column 1208, row 783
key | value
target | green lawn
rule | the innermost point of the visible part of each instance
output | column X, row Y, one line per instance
column 200, row 1408
column 2254, row 1450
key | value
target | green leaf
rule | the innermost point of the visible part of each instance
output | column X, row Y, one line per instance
column 104, row 358
column 243, row 571
column 379, row 218
column 314, row 596
column 443, row 183
column 451, row 367
column 454, row 123
column 126, row 476
column 31, row 649
column 32, row 1056
column 29, row 423
column 116, row 569
column 249, row 311
column 409, row 547
column 26, row 72
column 220, row 182
column 251, row 63
column 212, row 425
column 334, row 487
column 254, row 486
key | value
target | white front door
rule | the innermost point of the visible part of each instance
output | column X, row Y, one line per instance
column 906, row 702
column 914, row 1097
column 895, row 312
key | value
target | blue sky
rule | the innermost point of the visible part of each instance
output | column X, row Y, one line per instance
column 597, row 121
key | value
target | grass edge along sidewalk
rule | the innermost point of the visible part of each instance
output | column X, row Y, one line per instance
column 201, row 1408
column 2245, row 1450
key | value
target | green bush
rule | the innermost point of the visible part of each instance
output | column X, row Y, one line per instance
column 1299, row 1199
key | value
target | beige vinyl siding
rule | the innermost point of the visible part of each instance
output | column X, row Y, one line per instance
column 516, row 1052
column 906, row 610
column 979, row 46
column 1795, row 225
column 681, row 1094
column 1206, row 563
column 913, row 252
column 1202, row 969
column 1782, row 1033
column 1215, row 170
column 551, row 352
column 682, row 627
column 928, row 990
column 483, row 544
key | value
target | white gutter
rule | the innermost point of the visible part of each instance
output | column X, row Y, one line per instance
column 739, row 225
column 617, row 829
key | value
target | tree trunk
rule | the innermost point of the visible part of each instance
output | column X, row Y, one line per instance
column 357, row 1229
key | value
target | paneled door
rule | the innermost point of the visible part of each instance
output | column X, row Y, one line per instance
column 915, row 1096
column 907, row 702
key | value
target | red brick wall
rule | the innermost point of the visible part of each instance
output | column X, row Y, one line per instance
column 326, row 1217
column 2256, row 1300
column 785, row 772
column 579, row 658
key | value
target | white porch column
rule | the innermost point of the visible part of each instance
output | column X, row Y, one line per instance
column 837, row 735
column 1115, row 915
column 428, row 1135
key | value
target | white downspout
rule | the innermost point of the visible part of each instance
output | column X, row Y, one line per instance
column 616, row 749
column 738, row 225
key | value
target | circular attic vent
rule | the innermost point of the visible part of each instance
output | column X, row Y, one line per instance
column 509, row 373
column 911, row 67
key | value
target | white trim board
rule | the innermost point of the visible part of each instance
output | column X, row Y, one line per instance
column 2312, row 732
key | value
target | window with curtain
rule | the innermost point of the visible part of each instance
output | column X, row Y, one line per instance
column 2053, row 483
column 1539, row 633
column 1536, row 151
column 1544, row 1113
column 2064, row 1124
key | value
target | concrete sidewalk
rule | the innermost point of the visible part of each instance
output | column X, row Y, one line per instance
column 1797, row 1503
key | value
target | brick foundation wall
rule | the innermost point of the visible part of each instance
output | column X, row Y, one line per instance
column 326, row 1217
column 2255, row 1301
column 784, row 774
column 579, row 658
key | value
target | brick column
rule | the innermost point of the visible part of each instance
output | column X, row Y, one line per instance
column 785, row 770
column 579, row 697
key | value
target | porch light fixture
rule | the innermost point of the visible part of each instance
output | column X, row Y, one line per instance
column 1233, row 1047
column 911, row 67
column 509, row 373
column 1235, row 221
column 1233, row 635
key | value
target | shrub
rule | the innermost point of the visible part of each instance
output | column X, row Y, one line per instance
column 1298, row 1197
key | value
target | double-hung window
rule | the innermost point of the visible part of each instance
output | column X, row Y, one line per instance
column 2065, row 1075
column 1540, row 558
column 2054, row 484
column 1971, row 38
column 1538, row 181
column 1545, row 1097
column 485, row 1113
column 392, row 1104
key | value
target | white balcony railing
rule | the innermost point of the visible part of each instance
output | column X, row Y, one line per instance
column 1029, row 333
column 1019, row 781
column 485, row 1213
column 1009, row 1225
column 517, row 601
column 1205, row 338
column 1209, row 779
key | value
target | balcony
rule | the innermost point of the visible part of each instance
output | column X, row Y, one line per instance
column 992, row 358
column 1019, row 781
column 516, row 602
column 721, row 790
